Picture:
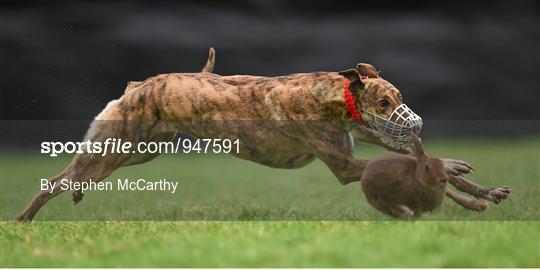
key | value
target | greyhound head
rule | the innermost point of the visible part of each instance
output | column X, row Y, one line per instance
column 381, row 106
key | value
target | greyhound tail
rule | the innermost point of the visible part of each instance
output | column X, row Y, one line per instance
column 209, row 67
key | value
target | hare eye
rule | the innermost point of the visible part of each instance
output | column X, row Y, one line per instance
column 426, row 167
column 383, row 103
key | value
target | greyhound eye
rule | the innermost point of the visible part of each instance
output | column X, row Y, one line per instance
column 383, row 103
column 426, row 167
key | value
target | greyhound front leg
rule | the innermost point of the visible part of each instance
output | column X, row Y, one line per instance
column 336, row 151
column 495, row 195
column 457, row 167
column 348, row 172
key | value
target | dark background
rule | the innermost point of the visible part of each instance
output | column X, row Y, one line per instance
column 452, row 61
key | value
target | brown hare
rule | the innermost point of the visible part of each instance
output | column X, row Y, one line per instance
column 406, row 186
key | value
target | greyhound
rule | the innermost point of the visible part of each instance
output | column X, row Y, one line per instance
column 281, row 122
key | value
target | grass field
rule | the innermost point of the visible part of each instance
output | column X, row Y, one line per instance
column 270, row 211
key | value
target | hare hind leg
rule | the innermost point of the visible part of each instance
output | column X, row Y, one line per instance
column 466, row 202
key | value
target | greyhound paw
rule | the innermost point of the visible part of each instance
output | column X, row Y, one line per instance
column 496, row 195
column 23, row 218
column 457, row 167
column 77, row 196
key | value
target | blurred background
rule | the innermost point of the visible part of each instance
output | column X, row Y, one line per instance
column 455, row 62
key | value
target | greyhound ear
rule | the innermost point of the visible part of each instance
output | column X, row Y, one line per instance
column 354, row 78
column 417, row 148
column 368, row 70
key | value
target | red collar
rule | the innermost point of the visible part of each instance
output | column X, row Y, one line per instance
column 350, row 104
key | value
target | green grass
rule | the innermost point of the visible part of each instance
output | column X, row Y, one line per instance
column 271, row 243
column 225, row 188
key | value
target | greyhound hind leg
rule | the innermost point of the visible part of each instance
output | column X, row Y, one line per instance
column 89, row 166
column 40, row 199
column 82, row 168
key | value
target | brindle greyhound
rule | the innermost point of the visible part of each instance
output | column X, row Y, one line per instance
column 282, row 122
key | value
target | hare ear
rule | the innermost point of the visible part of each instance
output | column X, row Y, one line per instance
column 417, row 148
column 354, row 78
column 368, row 70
